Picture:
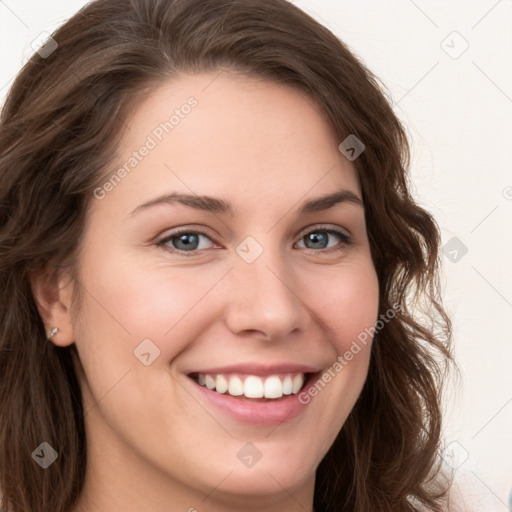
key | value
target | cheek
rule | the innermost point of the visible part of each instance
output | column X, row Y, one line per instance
column 347, row 302
column 347, row 306
column 124, row 306
column 127, row 303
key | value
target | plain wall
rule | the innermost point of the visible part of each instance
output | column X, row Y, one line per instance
column 448, row 67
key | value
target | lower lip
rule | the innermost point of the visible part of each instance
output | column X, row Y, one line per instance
column 272, row 412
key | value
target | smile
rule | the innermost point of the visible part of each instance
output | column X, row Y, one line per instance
column 252, row 386
column 254, row 393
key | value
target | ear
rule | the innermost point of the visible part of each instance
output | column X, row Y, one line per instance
column 53, row 291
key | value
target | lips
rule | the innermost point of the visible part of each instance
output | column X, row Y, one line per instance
column 256, row 394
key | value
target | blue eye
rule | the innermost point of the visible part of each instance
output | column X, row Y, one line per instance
column 320, row 239
column 188, row 243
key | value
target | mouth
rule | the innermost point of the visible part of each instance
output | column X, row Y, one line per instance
column 254, row 393
column 254, row 388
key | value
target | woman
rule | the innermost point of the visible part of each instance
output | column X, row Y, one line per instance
column 210, row 261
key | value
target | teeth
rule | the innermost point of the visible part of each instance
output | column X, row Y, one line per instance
column 298, row 380
column 273, row 386
column 253, row 387
column 236, row 386
column 209, row 381
column 287, row 385
column 221, row 384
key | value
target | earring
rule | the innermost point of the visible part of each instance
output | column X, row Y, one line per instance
column 52, row 333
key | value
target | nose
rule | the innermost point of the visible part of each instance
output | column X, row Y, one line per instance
column 263, row 299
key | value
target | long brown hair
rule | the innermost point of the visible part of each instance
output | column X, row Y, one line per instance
column 58, row 134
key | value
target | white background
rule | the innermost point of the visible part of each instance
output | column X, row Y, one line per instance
column 457, row 108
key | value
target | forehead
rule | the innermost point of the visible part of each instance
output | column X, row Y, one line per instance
column 229, row 135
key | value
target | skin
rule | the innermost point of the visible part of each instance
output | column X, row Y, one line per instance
column 151, row 446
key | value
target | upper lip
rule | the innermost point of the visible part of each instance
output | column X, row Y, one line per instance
column 259, row 369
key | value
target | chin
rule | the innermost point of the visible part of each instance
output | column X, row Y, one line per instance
column 276, row 470
column 265, row 481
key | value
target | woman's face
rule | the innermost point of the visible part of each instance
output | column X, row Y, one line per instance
column 257, row 290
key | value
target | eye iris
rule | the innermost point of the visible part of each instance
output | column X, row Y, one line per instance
column 319, row 239
column 189, row 241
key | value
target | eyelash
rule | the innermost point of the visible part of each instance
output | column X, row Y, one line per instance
column 345, row 240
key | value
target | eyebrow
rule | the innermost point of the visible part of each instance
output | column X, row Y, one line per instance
column 216, row 205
